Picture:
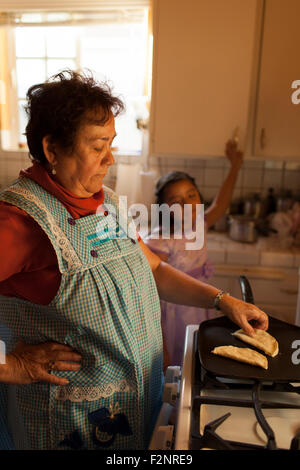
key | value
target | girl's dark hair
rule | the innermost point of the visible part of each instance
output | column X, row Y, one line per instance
column 162, row 184
column 58, row 108
column 170, row 178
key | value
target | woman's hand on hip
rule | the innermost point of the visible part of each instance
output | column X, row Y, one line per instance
column 30, row 363
column 242, row 313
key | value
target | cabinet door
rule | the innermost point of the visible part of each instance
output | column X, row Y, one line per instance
column 278, row 119
column 203, row 52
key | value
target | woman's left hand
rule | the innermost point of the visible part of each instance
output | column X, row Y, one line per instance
column 234, row 155
column 242, row 313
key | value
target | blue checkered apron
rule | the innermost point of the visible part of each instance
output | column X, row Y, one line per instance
column 107, row 308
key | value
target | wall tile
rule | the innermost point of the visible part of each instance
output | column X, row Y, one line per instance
column 240, row 178
column 243, row 257
column 216, row 256
column 209, row 192
column 297, row 261
column 291, row 179
column 292, row 165
column 216, row 162
column 154, row 161
column 273, row 179
column 252, row 177
column 277, row 259
column 237, row 193
column 248, row 192
column 194, row 163
column 199, row 177
column 274, row 165
column 213, row 176
column 253, row 164
column 176, row 162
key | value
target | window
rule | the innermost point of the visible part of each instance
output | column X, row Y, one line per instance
column 40, row 53
column 114, row 51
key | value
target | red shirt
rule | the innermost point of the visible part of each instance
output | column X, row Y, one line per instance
column 28, row 262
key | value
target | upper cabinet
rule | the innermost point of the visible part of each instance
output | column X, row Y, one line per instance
column 202, row 62
column 277, row 129
column 221, row 67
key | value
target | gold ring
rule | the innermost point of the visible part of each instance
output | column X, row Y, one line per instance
column 51, row 365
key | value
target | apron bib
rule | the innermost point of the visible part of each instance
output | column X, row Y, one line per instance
column 107, row 308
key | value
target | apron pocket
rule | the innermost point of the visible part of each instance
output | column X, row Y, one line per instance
column 96, row 414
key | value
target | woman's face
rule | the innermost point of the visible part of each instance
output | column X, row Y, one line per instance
column 82, row 171
column 182, row 192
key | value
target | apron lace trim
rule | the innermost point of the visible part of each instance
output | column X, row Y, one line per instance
column 90, row 393
column 67, row 251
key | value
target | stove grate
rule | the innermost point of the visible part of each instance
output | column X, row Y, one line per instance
column 210, row 438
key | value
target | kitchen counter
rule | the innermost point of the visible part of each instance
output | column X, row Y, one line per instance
column 265, row 252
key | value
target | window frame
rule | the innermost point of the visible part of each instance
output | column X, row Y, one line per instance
column 13, row 144
column 45, row 58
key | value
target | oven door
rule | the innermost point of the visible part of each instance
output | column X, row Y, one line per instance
column 177, row 382
column 163, row 434
column 183, row 422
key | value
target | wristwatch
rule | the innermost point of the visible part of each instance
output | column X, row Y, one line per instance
column 218, row 298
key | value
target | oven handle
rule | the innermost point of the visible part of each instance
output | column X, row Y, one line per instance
column 247, row 294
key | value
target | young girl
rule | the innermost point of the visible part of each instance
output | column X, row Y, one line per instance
column 180, row 188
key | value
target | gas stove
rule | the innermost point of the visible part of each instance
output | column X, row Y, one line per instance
column 223, row 413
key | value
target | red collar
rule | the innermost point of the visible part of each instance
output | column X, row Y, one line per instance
column 76, row 206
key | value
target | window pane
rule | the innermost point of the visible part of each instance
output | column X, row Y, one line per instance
column 31, row 17
column 59, row 16
column 30, row 42
column 129, row 137
column 61, row 41
column 29, row 72
column 114, row 52
column 117, row 53
column 57, row 65
column 22, row 121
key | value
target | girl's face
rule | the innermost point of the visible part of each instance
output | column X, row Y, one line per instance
column 182, row 192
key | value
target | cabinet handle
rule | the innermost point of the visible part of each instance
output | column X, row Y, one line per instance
column 235, row 135
column 262, row 138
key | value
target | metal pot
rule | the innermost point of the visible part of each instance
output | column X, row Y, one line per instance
column 242, row 229
column 253, row 207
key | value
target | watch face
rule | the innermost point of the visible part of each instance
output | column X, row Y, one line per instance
column 218, row 298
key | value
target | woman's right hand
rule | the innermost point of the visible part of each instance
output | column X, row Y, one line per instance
column 30, row 363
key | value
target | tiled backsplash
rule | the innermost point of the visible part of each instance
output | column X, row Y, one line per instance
column 12, row 163
column 254, row 176
column 10, row 166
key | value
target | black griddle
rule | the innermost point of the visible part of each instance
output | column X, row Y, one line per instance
column 217, row 332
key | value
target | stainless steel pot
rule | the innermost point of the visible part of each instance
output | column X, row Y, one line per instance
column 253, row 207
column 242, row 229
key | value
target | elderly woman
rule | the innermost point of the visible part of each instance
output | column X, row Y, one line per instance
column 80, row 298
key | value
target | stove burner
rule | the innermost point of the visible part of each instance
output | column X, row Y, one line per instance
column 210, row 438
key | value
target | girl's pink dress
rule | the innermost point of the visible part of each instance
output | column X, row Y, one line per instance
column 175, row 318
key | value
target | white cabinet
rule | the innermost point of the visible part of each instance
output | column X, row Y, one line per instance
column 202, row 65
column 219, row 65
column 278, row 118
